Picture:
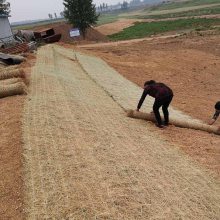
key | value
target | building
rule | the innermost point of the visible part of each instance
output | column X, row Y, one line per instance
column 6, row 35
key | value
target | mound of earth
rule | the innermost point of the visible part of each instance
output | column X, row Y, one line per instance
column 64, row 29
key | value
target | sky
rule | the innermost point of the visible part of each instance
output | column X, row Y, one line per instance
column 22, row 10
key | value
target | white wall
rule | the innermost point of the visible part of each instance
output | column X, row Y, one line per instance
column 5, row 30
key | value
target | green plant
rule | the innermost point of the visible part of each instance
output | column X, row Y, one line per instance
column 80, row 13
column 144, row 29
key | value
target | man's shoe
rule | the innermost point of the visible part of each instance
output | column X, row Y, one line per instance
column 165, row 124
column 159, row 126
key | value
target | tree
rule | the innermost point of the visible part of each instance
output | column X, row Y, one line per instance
column 80, row 13
column 4, row 7
column 55, row 15
column 124, row 5
column 61, row 14
column 50, row 16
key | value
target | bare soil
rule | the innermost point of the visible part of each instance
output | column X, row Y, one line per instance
column 10, row 158
column 11, row 164
column 115, row 27
column 190, row 66
column 63, row 28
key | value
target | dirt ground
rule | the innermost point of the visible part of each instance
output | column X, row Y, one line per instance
column 190, row 66
column 10, row 158
column 112, row 28
column 63, row 28
column 11, row 164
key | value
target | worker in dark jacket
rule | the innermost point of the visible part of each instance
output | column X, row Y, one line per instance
column 163, row 96
column 216, row 114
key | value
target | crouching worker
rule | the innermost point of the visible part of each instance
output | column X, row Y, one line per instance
column 216, row 115
column 163, row 96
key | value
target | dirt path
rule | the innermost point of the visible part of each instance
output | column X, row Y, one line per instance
column 116, row 27
column 118, row 43
column 85, row 160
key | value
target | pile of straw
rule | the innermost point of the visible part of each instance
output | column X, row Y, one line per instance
column 17, row 88
column 176, row 122
column 7, row 74
column 12, row 82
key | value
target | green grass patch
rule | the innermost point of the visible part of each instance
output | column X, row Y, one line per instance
column 175, row 5
column 191, row 13
column 144, row 29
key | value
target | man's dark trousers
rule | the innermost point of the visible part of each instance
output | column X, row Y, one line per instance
column 164, row 102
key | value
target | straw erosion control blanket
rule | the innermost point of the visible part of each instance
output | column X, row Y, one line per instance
column 84, row 159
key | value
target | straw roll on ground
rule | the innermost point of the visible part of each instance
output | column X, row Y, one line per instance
column 10, row 81
column 7, row 74
column 176, row 122
column 18, row 88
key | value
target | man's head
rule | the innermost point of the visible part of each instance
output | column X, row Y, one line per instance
column 151, row 82
column 217, row 106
